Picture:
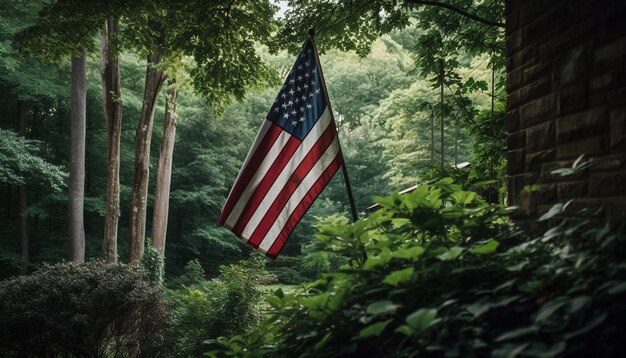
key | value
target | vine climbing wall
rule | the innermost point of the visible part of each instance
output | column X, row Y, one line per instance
column 566, row 64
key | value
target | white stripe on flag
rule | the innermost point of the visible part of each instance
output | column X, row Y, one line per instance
column 283, row 178
column 318, row 169
column 271, row 156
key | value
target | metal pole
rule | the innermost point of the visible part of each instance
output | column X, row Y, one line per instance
column 493, row 132
column 343, row 162
column 441, row 74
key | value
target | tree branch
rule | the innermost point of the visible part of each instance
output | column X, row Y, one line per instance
column 457, row 10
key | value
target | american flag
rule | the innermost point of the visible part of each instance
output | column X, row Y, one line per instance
column 294, row 156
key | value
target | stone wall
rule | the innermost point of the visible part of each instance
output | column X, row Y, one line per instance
column 566, row 64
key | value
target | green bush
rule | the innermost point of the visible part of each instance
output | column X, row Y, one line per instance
column 438, row 272
column 287, row 270
column 95, row 309
column 211, row 309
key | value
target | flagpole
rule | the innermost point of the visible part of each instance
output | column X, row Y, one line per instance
column 344, row 169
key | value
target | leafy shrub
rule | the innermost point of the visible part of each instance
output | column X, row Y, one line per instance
column 153, row 264
column 439, row 272
column 95, row 309
column 213, row 308
column 193, row 273
column 286, row 269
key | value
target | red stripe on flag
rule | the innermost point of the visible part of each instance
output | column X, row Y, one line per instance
column 292, row 184
column 304, row 206
column 266, row 183
column 253, row 164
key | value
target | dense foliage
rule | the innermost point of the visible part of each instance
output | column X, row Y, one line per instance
column 95, row 309
column 225, row 306
column 439, row 272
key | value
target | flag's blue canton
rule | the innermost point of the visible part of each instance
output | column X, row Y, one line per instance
column 301, row 100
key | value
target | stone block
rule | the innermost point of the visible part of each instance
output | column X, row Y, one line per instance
column 516, row 140
column 537, row 110
column 609, row 56
column 514, row 42
column 535, row 160
column 571, row 189
column 588, row 147
column 574, row 65
column 581, row 125
column 618, row 129
column 536, row 71
column 546, row 193
column 512, row 121
column 530, row 91
column 514, row 79
column 549, row 21
column 616, row 97
column 525, row 56
column 615, row 209
column 515, row 162
column 607, row 184
column 609, row 163
column 540, row 136
column 572, row 98
column 604, row 81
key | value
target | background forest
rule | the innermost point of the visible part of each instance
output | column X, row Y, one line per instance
column 384, row 104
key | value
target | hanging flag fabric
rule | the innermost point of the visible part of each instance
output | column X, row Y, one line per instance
column 294, row 156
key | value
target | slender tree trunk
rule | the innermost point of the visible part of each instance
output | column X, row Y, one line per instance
column 164, row 172
column 111, row 88
column 139, row 204
column 23, row 200
column 432, row 134
column 77, row 157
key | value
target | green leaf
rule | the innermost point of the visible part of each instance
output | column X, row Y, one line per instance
column 314, row 302
column 478, row 309
column 516, row 333
column 323, row 342
column 578, row 303
column 374, row 329
column 422, row 318
column 593, row 323
column 556, row 209
column 382, row 307
column 408, row 253
column 451, row 254
column 406, row 330
column 618, row 288
column 397, row 277
column 400, row 222
column 486, row 248
column 274, row 301
column 374, row 261
column 549, row 308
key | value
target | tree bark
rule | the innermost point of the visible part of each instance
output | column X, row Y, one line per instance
column 77, row 158
column 112, row 100
column 138, row 209
column 164, row 172
column 23, row 200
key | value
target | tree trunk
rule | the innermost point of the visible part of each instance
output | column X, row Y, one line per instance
column 23, row 202
column 164, row 172
column 111, row 88
column 138, row 208
column 77, row 158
